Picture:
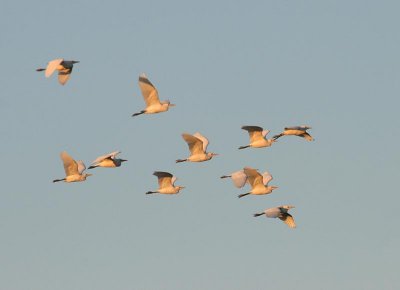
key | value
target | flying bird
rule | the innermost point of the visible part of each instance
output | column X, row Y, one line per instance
column 108, row 160
column 239, row 178
column 150, row 96
column 280, row 212
column 73, row 169
column 259, row 183
column 64, row 68
column 198, row 148
column 257, row 137
column 166, row 183
column 300, row 131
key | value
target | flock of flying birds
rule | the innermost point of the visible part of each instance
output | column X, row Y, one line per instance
column 197, row 143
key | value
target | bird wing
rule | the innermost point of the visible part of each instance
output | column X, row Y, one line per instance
column 264, row 133
column 195, row 144
column 63, row 75
column 302, row 128
column 173, row 180
column 164, row 178
column 70, row 165
column 307, row 136
column 255, row 132
column 253, row 176
column 52, row 66
column 109, row 155
column 288, row 219
column 149, row 92
column 266, row 178
column 203, row 139
column 239, row 178
column 81, row 166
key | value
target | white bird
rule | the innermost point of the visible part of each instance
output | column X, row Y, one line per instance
column 259, row 183
column 150, row 96
column 64, row 68
column 300, row 131
column 108, row 160
column 166, row 183
column 198, row 148
column 73, row 169
column 280, row 212
column 257, row 137
column 239, row 178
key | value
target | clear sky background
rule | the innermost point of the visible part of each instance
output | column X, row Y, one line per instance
column 332, row 65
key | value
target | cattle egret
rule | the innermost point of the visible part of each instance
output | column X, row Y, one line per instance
column 280, row 212
column 259, row 183
column 73, row 169
column 197, row 145
column 64, row 68
column 150, row 96
column 296, row 131
column 108, row 160
column 239, row 178
column 166, row 183
column 257, row 137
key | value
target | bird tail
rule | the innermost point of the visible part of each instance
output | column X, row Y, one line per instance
column 243, row 194
column 180, row 160
column 243, row 147
column 258, row 214
column 57, row 180
column 277, row 136
column 137, row 114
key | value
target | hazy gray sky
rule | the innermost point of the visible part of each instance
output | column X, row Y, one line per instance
column 333, row 65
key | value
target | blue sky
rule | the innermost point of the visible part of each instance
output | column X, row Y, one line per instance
column 332, row 65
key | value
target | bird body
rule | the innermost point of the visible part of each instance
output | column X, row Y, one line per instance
column 166, row 183
column 64, row 68
column 280, row 212
column 259, row 183
column 300, row 131
column 108, row 160
column 150, row 96
column 73, row 169
column 239, row 178
column 198, row 148
column 257, row 137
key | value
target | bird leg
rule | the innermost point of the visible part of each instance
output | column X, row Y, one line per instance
column 57, row 180
column 243, row 194
column 137, row 114
column 243, row 147
column 180, row 160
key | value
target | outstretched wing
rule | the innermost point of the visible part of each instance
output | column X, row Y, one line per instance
column 52, row 66
column 288, row 219
column 239, row 178
column 255, row 132
column 149, row 92
column 253, row 176
column 63, row 75
column 109, row 155
column 203, row 139
column 70, row 165
column 81, row 166
column 266, row 178
column 195, row 144
column 164, row 178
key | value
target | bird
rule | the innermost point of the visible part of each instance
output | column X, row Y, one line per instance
column 239, row 178
column 197, row 146
column 73, row 169
column 300, row 131
column 64, row 68
column 166, row 183
column 150, row 96
column 257, row 137
column 259, row 183
column 108, row 160
column 280, row 212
